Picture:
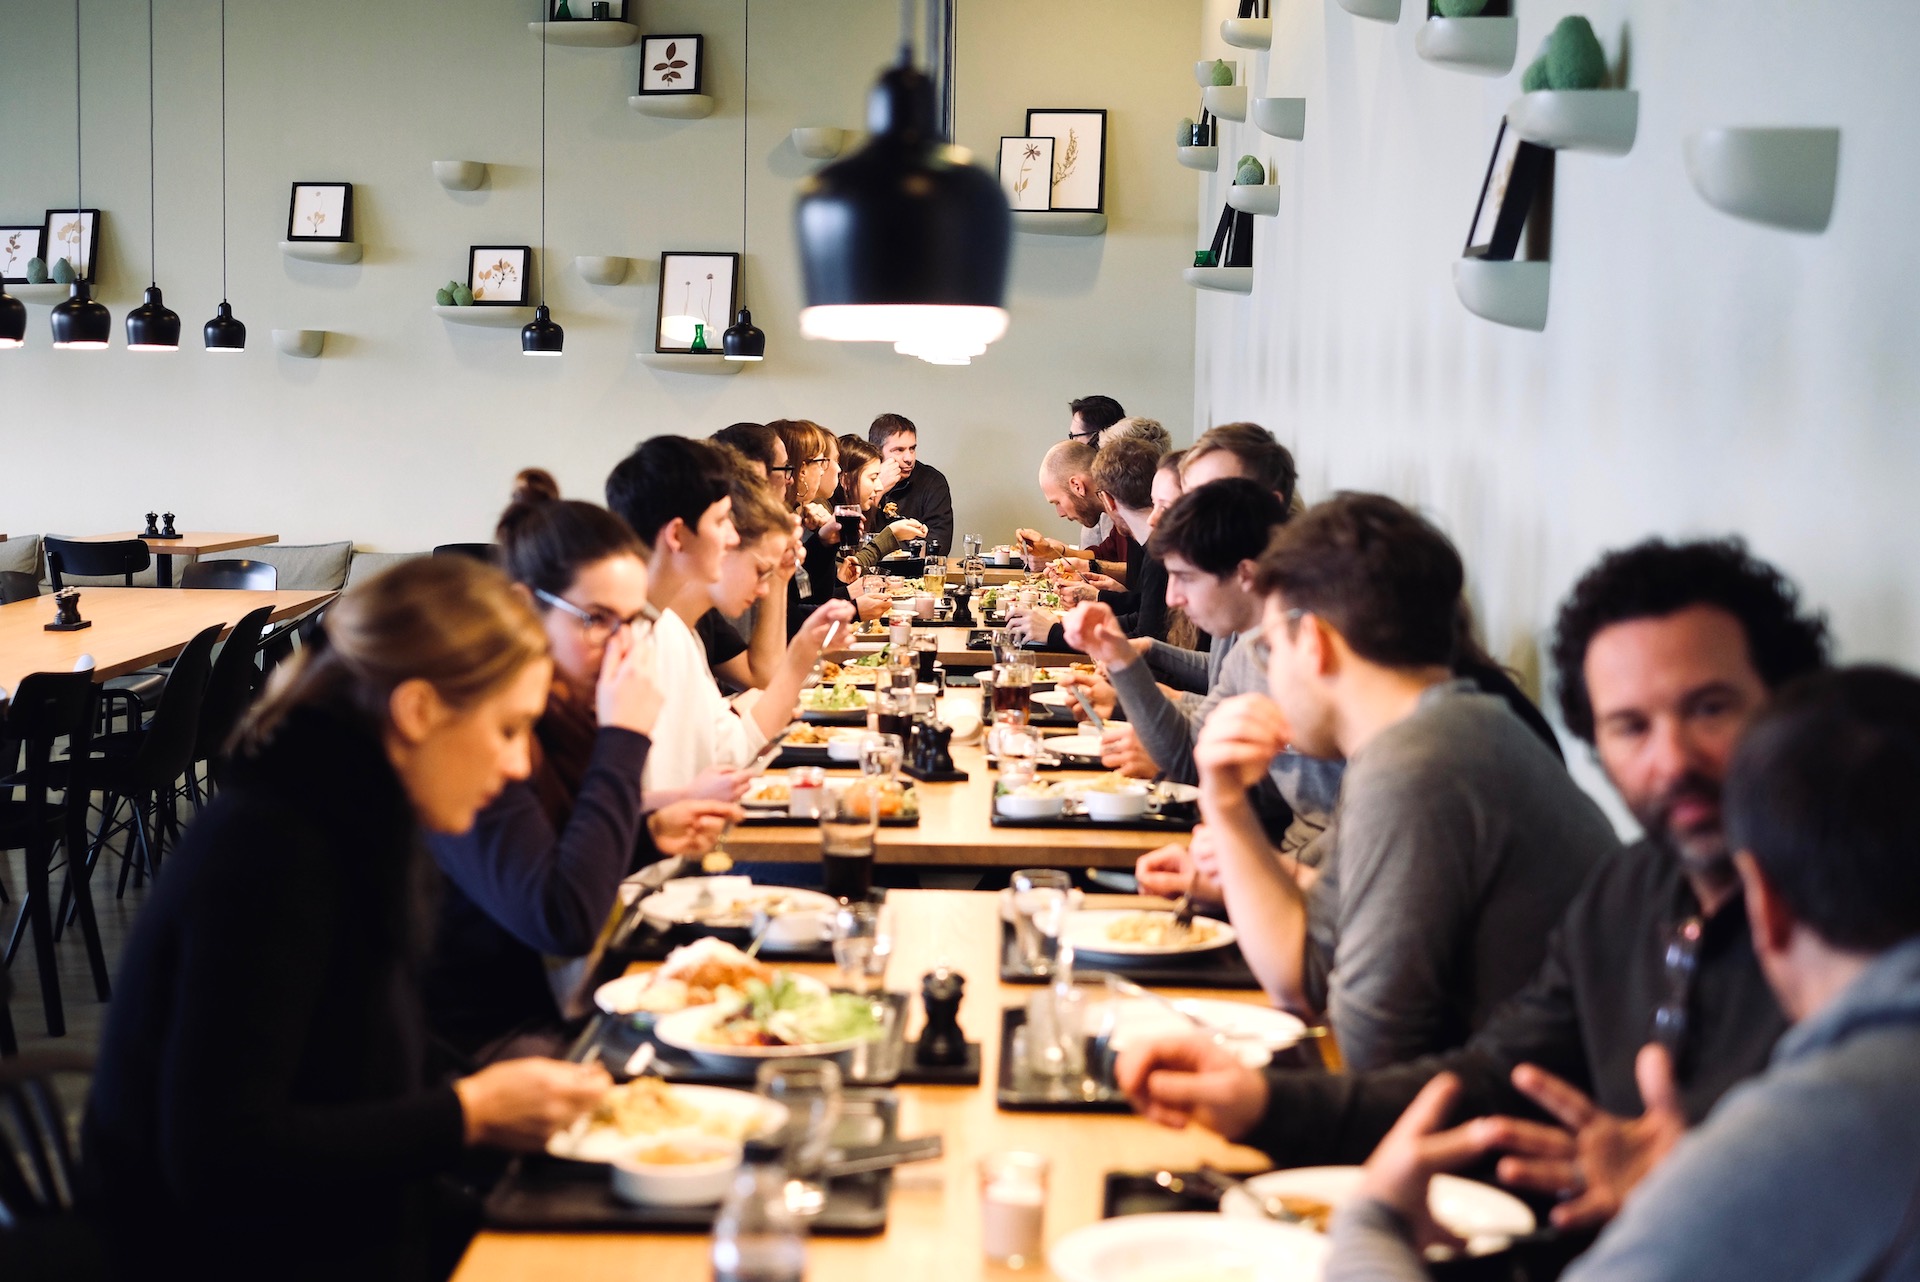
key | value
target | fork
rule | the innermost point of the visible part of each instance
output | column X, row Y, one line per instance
column 1183, row 907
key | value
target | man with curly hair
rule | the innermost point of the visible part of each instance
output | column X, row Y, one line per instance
column 1664, row 653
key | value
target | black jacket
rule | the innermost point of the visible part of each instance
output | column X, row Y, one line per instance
column 260, row 1103
column 925, row 497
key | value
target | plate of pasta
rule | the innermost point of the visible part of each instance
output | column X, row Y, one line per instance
column 646, row 1111
column 1133, row 932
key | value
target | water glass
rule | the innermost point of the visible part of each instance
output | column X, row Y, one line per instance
column 849, row 820
column 810, row 1089
column 1040, row 903
column 878, row 1061
column 1055, row 1042
column 1013, row 1207
column 863, row 945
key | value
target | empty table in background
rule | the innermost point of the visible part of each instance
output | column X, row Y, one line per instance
column 190, row 543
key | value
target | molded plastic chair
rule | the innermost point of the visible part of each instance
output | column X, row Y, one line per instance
column 230, row 689
column 249, row 576
column 127, row 557
column 42, row 1234
column 16, row 585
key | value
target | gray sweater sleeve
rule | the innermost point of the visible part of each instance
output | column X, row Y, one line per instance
column 1182, row 669
column 1166, row 729
column 1368, row 1242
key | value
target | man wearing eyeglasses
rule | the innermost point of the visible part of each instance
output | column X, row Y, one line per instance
column 1664, row 654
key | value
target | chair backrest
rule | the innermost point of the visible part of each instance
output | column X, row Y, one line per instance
column 37, row 1168
column 167, row 748
column 230, row 686
column 487, row 552
column 50, row 706
column 251, row 576
column 126, row 557
column 16, row 585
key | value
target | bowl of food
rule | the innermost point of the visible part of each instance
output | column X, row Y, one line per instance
column 1036, row 800
column 845, row 746
column 677, row 1172
column 802, row 928
column 1114, row 797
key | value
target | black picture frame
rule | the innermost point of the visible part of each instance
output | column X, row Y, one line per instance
column 309, row 198
column 582, row 11
column 483, row 291
column 1063, row 148
column 670, row 51
column 715, row 317
column 18, row 243
column 1506, row 194
column 89, row 220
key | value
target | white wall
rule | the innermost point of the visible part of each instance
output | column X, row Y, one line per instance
column 1697, row 374
column 407, row 431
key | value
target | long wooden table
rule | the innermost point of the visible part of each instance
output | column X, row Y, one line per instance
column 188, row 543
column 952, row 649
column 933, row 1229
column 132, row 627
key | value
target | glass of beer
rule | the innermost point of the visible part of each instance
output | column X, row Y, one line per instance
column 1013, row 690
column 933, row 580
column 849, row 820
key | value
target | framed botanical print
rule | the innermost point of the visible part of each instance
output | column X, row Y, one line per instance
column 1079, row 155
column 698, row 296
column 73, row 234
column 18, row 244
column 321, row 211
column 1026, row 172
column 1506, row 193
column 497, row 274
column 670, row 64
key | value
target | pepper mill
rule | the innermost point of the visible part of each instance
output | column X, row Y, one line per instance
column 941, row 1041
column 166, row 529
column 962, row 607
column 153, row 526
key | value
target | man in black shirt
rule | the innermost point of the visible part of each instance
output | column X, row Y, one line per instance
column 922, row 493
column 1664, row 653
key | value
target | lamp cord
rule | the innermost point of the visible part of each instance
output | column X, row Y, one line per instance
column 746, row 91
column 223, row 150
column 153, row 237
column 906, row 33
column 541, row 266
column 79, row 138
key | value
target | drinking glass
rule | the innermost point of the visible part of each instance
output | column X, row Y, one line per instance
column 1040, row 899
column 862, row 945
column 934, row 578
column 881, row 755
column 893, row 712
column 1013, row 1207
column 1006, row 646
column 848, row 821
column 1013, row 690
column 810, row 1089
column 926, row 654
column 878, row 1060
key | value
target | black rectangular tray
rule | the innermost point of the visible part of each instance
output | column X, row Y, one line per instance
column 1143, row 1193
column 541, row 1194
column 1169, row 819
column 1219, row 968
column 1015, row 1091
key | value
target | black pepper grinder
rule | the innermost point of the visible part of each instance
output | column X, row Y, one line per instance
column 941, row 1041
column 153, row 526
column 962, row 608
column 166, row 530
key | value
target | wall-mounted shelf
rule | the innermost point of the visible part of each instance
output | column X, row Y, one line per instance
column 484, row 316
column 819, row 142
column 459, row 175
column 1226, row 280
column 1059, row 222
column 673, row 106
column 586, row 34
column 1782, row 177
column 1281, row 117
column 1506, row 293
column 1206, row 159
column 688, row 363
column 600, row 269
column 47, row 292
column 1262, row 198
column 1597, row 120
column 1477, row 46
column 1248, row 33
column 303, row 343
column 1374, row 10
column 1203, row 71
column 322, row 251
column 1229, row 102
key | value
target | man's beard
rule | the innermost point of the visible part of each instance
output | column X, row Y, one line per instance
column 1702, row 854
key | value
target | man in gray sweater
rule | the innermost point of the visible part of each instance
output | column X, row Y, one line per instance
column 1458, row 839
column 1810, row 1172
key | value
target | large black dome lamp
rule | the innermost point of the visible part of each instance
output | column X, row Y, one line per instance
column 13, row 321
column 80, row 323
column 905, row 241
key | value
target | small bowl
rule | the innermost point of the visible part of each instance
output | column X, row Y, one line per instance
column 1109, row 806
column 800, row 929
column 1030, row 807
column 847, row 749
column 698, row 1183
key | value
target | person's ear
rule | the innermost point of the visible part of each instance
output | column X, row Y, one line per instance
column 1772, row 921
column 1112, row 508
column 1243, row 576
column 674, row 534
column 415, row 710
column 1323, row 645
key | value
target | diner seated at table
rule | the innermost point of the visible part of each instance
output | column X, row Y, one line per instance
column 1458, row 837
column 1088, row 417
column 1809, row 1172
column 1066, row 481
column 921, row 493
column 1122, row 473
column 261, row 1099
column 1245, row 450
column 674, row 493
column 535, row 876
column 1664, row 653
column 809, row 449
column 745, row 633
column 864, row 478
column 762, row 447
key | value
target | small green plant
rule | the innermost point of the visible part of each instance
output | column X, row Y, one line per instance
column 443, row 297
column 1574, row 57
column 62, row 272
column 462, row 296
column 1460, row 8
column 1222, row 72
column 36, row 271
column 1249, row 172
column 1186, row 131
column 1535, row 77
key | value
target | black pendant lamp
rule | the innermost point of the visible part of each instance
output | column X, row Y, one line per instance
column 152, row 326
column 224, row 333
column 744, row 340
column 540, row 336
column 905, row 241
column 13, row 321
column 80, row 324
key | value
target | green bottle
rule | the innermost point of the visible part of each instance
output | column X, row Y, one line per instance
column 699, row 338
column 561, row 13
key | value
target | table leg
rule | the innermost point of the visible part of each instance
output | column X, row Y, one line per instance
column 163, row 569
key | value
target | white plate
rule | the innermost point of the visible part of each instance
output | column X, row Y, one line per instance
column 1083, row 746
column 1485, row 1216
column 681, row 1031
column 622, row 996
column 1256, row 1033
column 749, row 1114
column 1188, row 1247
column 1053, row 698
column 1087, row 932
column 672, row 903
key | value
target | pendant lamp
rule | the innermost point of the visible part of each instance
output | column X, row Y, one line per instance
column 152, row 326
column 905, row 241
column 744, row 340
column 540, row 336
column 224, row 333
column 80, row 324
column 13, row 321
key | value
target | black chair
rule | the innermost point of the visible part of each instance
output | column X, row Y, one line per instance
column 16, row 585
column 248, row 576
column 230, row 689
column 487, row 552
column 42, row 1233
column 50, row 706
column 127, row 557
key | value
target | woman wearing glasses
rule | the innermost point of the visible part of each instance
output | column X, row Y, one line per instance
column 535, row 876
column 752, row 588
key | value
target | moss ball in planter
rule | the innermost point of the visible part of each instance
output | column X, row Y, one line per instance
column 443, row 297
column 1535, row 77
column 463, row 297
column 1249, row 173
column 1574, row 57
column 62, row 272
column 1222, row 72
column 36, row 271
column 1186, row 131
column 1460, row 8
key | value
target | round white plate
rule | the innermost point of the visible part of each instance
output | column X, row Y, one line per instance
column 681, row 1031
column 1083, row 746
column 1485, row 1216
column 621, row 996
column 1087, row 932
column 1255, row 1033
column 1178, row 792
column 1053, row 698
column 749, row 1114
column 670, row 905
column 1188, row 1247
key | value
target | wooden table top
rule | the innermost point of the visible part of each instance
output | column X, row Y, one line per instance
column 190, row 542
column 933, row 1230
column 953, row 650
column 132, row 627
column 956, row 829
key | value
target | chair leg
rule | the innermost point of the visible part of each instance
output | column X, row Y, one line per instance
column 38, row 907
column 78, row 889
column 9, row 1044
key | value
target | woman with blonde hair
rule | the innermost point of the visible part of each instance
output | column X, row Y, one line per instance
column 263, row 1075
